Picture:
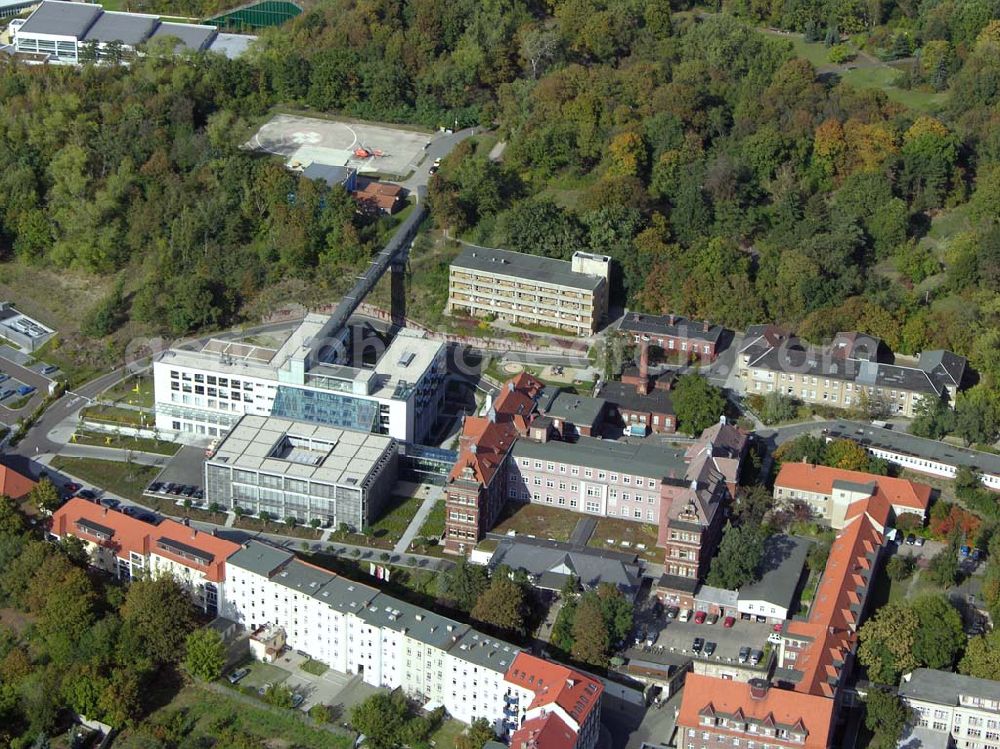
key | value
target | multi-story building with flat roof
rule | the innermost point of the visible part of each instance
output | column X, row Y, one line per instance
column 356, row 629
column 301, row 470
column 309, row 378
column 854, row 370
column 962, row 710
column 127, row 548
column 829, row 492
column 531, row 289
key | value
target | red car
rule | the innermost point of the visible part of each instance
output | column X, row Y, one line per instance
column 779, row 626
column 699, row 617
column 71, row 487
column 728, row 622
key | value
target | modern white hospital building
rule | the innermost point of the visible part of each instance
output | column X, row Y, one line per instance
column 205, row 392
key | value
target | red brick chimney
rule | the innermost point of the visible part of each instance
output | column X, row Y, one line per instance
column 643, row 384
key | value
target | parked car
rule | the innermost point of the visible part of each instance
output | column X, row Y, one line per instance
column 154, row 487
column 651, row 638
column 175, row 489
column 672, row 612
column 110, row 502
column 199, row 494
column 709, row 648
column 262, row 689
column 911, row 539
column 918, row 541
column 131, row 511
column 699, row 617
column 657, row 608
column 728, row 622
column 774, row 638
column 432, row 170
column 778, row 627
column 237, row 675
column 685, row 615
column 755, row 656
column 640, row 635
column 964, row 551
column 49, row 369
column 188, row 491
column 977, row 554
column 26, row 389
column 744, row 654
column 72, row 487
column 89, row 494
column 165, row 488
column 4, row 377
column 698, row 644
column 712, row 618
column 297, row 699
column 146, row 517
column 5, row 393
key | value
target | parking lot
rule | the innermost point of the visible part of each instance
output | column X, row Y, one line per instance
column 676, row 636
column 17, row 373
column 185, row 468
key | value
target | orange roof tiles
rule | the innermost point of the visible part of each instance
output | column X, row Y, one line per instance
column 129, row 535
column 547, row 731
column 553, row 683
column 13, row 484
column 820, row 479
column 219, row 548
column 483, row 445
column 721, row 698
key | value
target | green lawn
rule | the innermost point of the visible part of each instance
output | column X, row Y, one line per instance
column 125, row 480
column 115, row 415
column 135, row 391
column 540, row 521
column 633, row 533
column 316, row 668
column 447, row 733
column 433, row 526
column 815, row 52
column 389, row 528
column 206, row 710
column 82, row 437
column 884, row 78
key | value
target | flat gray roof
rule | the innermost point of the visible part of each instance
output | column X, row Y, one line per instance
column 260, row 558
column 480, row 649
column 61, row 19
column 192, row 36
column 781, row 569
column 944, row 687
column 231, row 45
column 432, row 629
column 907, row 444
column 128, row 28
column 578, row 409
column 519, row 265
column 307, row 451
column 639, row 459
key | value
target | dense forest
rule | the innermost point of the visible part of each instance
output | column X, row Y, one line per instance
column 730, row 179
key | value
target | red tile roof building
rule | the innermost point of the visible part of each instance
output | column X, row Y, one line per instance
column 127, row 548
column 552, row 706
column 829, row 492
column 716, row 712
column 13, row 484
column 814, row 657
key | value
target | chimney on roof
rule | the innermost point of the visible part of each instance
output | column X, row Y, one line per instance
column 758, row 688
column 472, row 448
column 510, row 386
column 673, row 319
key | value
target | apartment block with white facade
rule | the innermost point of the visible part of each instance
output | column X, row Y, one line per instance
column 310, row 377
column 530, row 289
column 129, row 548
column 962, row 708
column 356, row 629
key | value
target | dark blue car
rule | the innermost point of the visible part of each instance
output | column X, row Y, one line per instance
column 25, row 390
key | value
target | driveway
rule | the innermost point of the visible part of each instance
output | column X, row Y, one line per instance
column 324, row 689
